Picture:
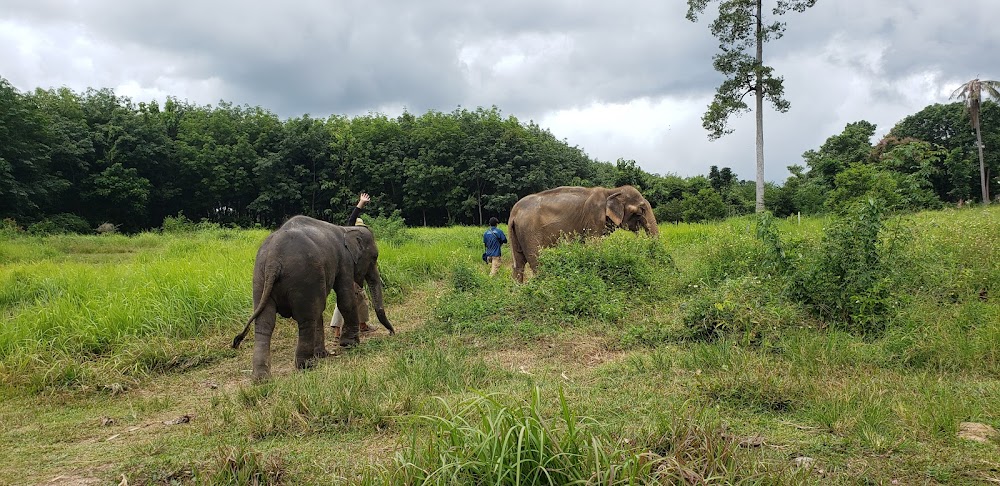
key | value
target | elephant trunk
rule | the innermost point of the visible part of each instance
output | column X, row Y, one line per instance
column 375, row 285
column 651, row 227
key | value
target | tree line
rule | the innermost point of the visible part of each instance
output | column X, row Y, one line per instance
column 71, row 161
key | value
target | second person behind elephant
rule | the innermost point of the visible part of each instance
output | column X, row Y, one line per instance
column 361, row 299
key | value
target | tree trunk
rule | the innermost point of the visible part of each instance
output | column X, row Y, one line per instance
column 984, row 185
column 759, row 95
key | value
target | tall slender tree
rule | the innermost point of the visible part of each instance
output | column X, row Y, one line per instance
column 742, row 29
column 971, row 93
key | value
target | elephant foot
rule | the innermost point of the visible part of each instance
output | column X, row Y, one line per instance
column 304, row 364
column 322, row 353
column 261, row 377
column 348, row 343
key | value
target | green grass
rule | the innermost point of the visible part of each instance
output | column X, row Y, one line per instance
column 627, row 361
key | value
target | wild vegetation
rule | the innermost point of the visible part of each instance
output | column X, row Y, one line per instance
column 78, row 162
column 843, row 349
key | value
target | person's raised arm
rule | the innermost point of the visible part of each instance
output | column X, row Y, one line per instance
column 363, row 201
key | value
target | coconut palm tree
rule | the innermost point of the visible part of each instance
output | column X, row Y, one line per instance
column 971, row 94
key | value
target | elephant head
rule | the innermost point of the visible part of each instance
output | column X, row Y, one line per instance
column 627, row 209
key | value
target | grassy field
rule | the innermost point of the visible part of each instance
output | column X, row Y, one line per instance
column 835, row 351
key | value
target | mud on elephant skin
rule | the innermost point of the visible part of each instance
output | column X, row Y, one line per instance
column 539, row 220
column 296, row 268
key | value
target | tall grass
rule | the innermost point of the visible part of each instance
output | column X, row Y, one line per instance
column 101, row 296
column 494, row 439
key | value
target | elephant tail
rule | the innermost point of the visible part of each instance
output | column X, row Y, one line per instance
column 375, row 285
column 271, row 271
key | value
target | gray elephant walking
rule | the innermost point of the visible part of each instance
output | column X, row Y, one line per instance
column 296, row 268
column 539, row 220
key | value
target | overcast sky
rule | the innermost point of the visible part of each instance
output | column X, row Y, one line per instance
column 618, row 79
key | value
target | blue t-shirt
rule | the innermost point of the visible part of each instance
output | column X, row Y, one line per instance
column 493, row 238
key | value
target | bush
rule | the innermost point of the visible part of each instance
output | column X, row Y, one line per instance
column 243, row 465
column 850, row 279
column 622, row 260
column 465, row 278
column 489, row 441
column 9, row 228
column 181, row 224
column 603, row 278
column 389, row 229
column 743, row 306
column 60, row 224
column 860, row 183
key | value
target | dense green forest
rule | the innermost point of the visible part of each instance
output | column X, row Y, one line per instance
column 72, row 161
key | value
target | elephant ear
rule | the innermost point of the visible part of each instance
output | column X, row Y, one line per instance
column 615, row 210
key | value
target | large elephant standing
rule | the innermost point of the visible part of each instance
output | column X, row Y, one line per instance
column 539, row 220
column 296, row 268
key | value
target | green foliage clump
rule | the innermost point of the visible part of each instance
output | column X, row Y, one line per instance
column 9, row 228
column 241, row 464
column 485, row 440
column 604, row 278
column 60, row 224
column 181, row 224
column 745, row 307
column 731, row 251
column 466, row 279
column 621, row 260
column 494, row 439
column 850, row 279
column 707, row 205
column 178, row 224
column 389, row 229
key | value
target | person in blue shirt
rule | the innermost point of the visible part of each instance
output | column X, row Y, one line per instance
column 492, row 239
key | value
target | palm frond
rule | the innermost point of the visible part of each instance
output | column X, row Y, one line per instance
column 993, row 88
column 961, row 92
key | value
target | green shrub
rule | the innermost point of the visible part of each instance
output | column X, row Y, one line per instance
column 850, row 279
column 60, row 224
column 181, row 224
column 240, row 464
column 622, row 261
column 465, row 279
column 745, row 307
column 730, row 251
column 487, row 440
column 389, row 229
column 601, row 278
column 9, row 228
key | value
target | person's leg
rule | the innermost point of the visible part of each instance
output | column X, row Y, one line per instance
column 337, row 322
column 494, row 265
column 362, row 301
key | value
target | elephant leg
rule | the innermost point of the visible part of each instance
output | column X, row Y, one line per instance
column 319, row 338
column 519, row 262
column 308, row 314
column 347, row 303
column 262, row 330
column 532, row 260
